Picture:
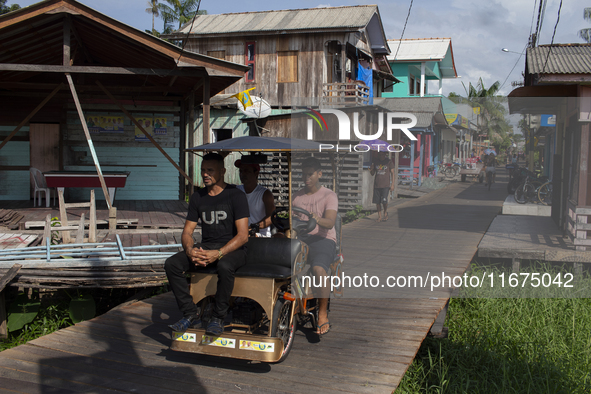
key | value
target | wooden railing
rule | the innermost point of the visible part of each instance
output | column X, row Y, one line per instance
column 345, row 94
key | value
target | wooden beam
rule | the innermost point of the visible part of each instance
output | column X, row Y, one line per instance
column 195, row 88
column 93, row 88
column 206, row 108
column 139, row 126
column 89, row 140
column 9, row 275
column 46, row 68
column 67, row 41
column 172, row 81
column 80, row 44
column 26, row 120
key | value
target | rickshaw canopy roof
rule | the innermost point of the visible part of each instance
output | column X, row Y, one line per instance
column 259, row 144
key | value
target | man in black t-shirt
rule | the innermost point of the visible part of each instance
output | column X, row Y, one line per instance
column 223, row 212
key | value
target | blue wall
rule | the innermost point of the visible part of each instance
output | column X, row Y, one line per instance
column 15, row 184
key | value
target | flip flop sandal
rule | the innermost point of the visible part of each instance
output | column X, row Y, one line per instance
column 322, row 325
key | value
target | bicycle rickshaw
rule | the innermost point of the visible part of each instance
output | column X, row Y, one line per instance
column 268, row 299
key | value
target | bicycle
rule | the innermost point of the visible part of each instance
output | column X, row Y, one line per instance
column 529, row 189
column 545, row 193
column 445, row 169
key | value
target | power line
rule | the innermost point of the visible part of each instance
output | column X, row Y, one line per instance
column 188, row 32
column 553, row 34
column 403, row 29
column 515, row 65
column 529, row 42
column 533, row 15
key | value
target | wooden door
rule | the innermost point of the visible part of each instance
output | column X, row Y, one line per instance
column 45, row 147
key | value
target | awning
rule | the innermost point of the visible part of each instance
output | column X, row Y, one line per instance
column 377, row 74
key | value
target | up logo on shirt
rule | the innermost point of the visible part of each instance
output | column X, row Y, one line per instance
column 215, row 217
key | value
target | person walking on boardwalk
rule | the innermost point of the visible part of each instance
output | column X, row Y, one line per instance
column 223, row 212
column 383, row 169
column 490, row 162
column 323, row 204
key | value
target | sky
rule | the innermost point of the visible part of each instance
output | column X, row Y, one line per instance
column 479, row 29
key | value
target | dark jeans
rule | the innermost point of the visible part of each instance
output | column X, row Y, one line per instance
column 176, row 267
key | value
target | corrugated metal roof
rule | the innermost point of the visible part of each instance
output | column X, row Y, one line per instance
column 563, row 59
column 350, row 17
column 419, row 49
column 424, row 108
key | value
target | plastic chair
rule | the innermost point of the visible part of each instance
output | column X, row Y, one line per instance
column 40, row 186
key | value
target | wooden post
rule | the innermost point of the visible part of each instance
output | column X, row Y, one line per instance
column 396, row 138
column 89, row 140
column 182, row 147
column 206, row 108
column 583, row 166
column 437, row 329
column 92, row 224
column 66, row 50
column 33, row 112
column 191, row 139
column 63, row 217
column 516, row 263
column 4, row 280
column 289, row 187
column 112, row 218
column 46, row 230
column 80, row 231
column 138, row 125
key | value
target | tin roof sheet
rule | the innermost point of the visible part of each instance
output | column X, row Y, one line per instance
column 352, row 17
column 559, row 59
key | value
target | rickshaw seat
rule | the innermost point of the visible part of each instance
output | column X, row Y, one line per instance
column 265, row 258
column 270, row 257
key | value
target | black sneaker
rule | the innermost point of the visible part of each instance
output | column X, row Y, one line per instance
column 185, row 323
column 215, row 327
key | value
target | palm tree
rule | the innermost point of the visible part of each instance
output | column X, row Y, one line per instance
column 179, row 10
column 585, row 34
column 154, row 10
column 492, row 110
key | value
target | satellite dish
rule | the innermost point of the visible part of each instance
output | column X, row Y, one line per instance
column 259, row 108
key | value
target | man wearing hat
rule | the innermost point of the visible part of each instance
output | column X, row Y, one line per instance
column 261, row 203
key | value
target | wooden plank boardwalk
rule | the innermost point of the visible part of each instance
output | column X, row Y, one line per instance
column 159, row 221
column 375, row 335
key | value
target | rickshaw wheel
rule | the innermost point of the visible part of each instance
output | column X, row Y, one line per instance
column 281, row 327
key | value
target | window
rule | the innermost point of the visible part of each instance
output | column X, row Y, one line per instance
column 217, row 54
column 411, row 86
column 287, row 66
column 222, row 134
column 250, row 54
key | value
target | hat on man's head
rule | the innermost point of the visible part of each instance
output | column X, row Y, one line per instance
column 239, row 163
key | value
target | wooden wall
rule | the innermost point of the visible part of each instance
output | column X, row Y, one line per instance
column 152, row 176
column 311, row 64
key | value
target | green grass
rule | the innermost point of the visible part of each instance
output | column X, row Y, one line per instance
column 50, row 319
column 510, row 345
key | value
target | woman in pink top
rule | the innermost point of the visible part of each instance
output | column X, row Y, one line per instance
column 323, row 204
